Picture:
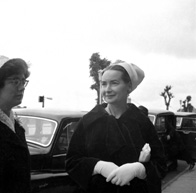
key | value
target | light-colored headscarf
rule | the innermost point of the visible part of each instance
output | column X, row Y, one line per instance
column 135, row 73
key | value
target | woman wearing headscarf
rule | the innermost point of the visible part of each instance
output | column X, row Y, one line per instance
column 14, row 154
column 115, row 148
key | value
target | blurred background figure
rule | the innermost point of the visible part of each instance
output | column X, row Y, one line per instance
column 144, row 110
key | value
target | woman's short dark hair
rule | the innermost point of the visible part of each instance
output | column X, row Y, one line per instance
column 125, row 76
column 12, row 67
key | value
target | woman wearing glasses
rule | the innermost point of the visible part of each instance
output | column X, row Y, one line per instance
column 14, row 154
column 115, row 148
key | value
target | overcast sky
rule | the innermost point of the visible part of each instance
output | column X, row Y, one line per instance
column 58, row 38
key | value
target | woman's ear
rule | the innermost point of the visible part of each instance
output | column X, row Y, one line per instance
column 129, row 87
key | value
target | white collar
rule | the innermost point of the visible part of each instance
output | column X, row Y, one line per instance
column 9, row 121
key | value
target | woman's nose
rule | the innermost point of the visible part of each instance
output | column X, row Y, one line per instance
column 108, row 88
column 21, row 87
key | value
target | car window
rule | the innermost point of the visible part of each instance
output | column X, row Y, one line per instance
column 178, row 122
column 65, row 136
column 188, row 124
column 160, row 125
column 152, row 118
column 38, row 130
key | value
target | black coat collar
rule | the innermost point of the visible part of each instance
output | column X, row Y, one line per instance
column 17, row 139
column 99, row 111
column 117, row 142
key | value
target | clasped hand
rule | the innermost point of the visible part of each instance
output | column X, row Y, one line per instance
column 124, row 174
column 127, row 172
column 104, row 168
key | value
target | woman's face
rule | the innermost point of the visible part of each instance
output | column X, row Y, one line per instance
column 11, row 94
column 113, row 89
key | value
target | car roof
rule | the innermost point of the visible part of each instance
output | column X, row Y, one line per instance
column 159, row 111
column 184, row 114
column 50, row 113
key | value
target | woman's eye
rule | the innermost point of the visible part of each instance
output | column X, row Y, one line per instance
column 103, row 84
column 114, row 83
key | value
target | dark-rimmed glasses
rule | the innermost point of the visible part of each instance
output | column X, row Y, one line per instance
column 18, row 82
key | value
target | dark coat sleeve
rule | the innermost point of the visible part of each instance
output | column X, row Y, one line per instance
column 78, row 165
column 14, row 160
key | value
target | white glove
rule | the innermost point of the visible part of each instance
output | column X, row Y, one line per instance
column 104, row 168
column 127, row 172
column 145, row 153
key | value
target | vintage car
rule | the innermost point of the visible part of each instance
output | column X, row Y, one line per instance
column 158, row 118
column 48, row 133
column 186, row 126
column 163, row 120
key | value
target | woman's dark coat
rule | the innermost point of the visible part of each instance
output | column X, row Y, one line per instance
column 99, row 136
column 14, row 160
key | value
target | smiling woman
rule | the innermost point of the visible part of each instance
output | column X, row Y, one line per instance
column 111, row 146
column 14, row 154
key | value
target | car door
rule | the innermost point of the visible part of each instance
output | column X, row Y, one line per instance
column 56, row 179
column 187, row 129
column 162, row 128
column 62, row 141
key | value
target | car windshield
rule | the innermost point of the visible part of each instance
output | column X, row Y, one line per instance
column 38, row 130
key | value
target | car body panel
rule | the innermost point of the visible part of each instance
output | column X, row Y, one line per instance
column 48, row 157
